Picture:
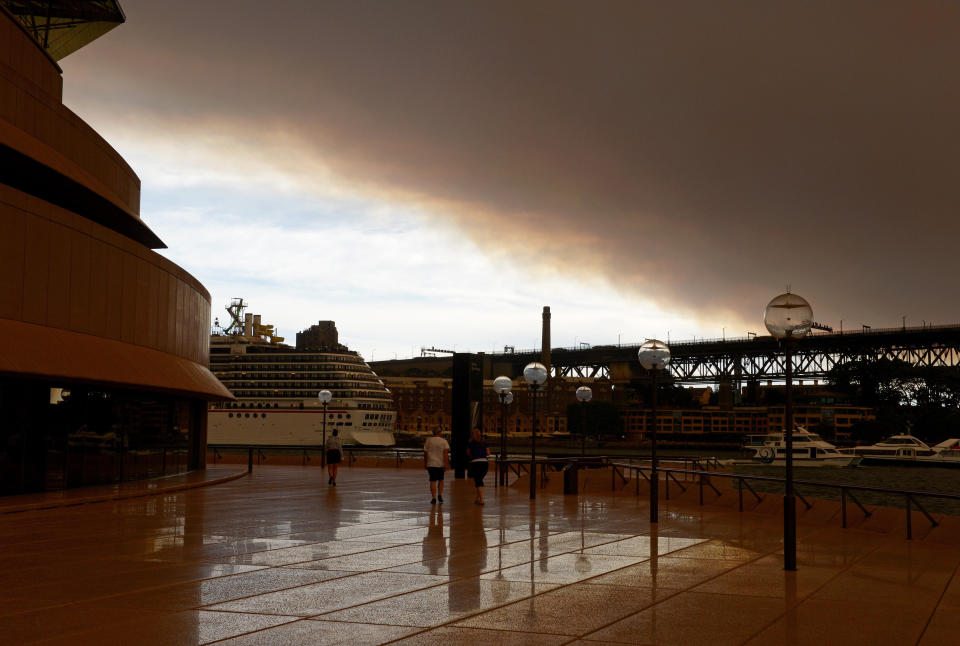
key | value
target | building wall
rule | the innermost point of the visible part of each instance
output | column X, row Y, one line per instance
column 63, row 271
column 31, row 94
column 104, row 343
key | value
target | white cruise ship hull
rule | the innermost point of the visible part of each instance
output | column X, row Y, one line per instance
column 290, row 427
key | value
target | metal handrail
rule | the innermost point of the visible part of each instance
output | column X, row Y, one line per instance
column 845, row 489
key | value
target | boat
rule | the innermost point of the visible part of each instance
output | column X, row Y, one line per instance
column 905, row 449
column 809, row 450
column 276, row 388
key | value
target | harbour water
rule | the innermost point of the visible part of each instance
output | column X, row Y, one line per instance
column 903, row 478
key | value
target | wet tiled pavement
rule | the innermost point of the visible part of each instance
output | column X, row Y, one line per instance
column 279, row 557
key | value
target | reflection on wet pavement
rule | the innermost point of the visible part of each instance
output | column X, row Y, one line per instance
column 278, row 558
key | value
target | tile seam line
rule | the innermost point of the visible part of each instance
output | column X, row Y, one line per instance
column 559, row 587
column 800, row 602
column 376, row 549
column 933, row 612
column 582, row 636
column 690, row 589
column 400, row 594
column 287, row 566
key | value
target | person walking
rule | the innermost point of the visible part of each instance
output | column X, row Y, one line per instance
column 477, row 454
column 334, row 456
column 436, row 458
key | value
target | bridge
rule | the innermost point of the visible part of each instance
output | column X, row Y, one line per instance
column 711, row 361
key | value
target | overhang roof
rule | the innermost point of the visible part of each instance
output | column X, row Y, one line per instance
column 35, row 351
column 61, row 27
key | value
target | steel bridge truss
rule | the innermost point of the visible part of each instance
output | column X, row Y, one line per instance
column 590, row 371
column 763, row 359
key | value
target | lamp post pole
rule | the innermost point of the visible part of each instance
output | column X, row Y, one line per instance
column 533, row 444
column 654, row 355
column 788, row 318
column 502, row 386
column 789, row 499
column 507, row 400
column 324, row 396
column 583, row 429
column 584, row 394
column 535, row 374
column 654, row 475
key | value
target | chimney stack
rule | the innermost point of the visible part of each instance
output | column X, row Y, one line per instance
column 248, row 325
column 545, row 341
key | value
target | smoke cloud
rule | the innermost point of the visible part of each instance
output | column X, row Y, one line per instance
column 701, row 154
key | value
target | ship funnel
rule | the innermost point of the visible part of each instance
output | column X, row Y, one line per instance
column 248, row 325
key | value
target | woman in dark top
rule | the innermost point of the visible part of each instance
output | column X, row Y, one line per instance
column 333, row 457
column 477, row 453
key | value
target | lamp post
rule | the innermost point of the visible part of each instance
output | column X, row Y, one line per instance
column 324, row 396
column 535, row 374
column 503, row 386
column 788, row 318
column 654, row 356
column 584, row 394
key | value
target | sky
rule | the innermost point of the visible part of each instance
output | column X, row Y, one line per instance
column 434, row 173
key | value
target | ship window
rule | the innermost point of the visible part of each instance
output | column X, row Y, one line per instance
column 246, row 414
column 263, row 414
column 230, row 415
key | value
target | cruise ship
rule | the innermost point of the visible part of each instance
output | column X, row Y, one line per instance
column 276, row 387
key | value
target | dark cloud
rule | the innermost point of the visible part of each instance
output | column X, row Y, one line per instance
column 701, row 153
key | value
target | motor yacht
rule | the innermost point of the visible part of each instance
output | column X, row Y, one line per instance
column 809, row 450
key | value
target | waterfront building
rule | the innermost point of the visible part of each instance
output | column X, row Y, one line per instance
column 103, row 343
column 424, row 403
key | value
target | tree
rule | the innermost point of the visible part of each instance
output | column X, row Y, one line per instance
column 602, row 418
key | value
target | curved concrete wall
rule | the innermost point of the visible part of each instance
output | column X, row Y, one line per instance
column 63, row 271
column 31, row 93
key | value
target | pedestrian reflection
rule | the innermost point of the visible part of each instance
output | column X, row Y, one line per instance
column 468, row 558
column 434, row 545
column 544, row 544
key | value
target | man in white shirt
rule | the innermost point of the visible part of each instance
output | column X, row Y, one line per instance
column 436, row 457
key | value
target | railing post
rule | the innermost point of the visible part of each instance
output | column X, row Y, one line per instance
column 666, row 482
column 164, row 460
column 250, row 459
column 740, row 491
column 701, row 489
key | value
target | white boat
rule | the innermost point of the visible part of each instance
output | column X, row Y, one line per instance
column 276, row 387
column 905, row 449
column 809, row 450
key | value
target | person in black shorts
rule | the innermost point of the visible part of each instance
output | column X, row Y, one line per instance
column 477, row 454
column 436, row 458
column 334, row 453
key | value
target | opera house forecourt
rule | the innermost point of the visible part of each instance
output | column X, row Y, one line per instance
column 103, row 343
